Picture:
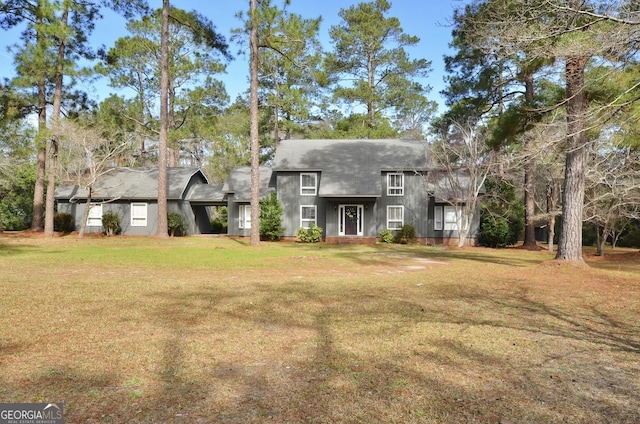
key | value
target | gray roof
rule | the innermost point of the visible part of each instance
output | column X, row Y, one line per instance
column 134, row 184
column 452, row 186
column 351, row 167
column 239, row 183
column 205, row 193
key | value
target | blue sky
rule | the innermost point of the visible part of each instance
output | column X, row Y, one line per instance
column 426, row 19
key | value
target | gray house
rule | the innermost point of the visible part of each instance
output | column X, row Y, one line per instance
column 354, row 189
column 237, row 191
column 132, row 193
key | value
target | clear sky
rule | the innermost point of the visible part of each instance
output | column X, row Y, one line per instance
column 426, row 19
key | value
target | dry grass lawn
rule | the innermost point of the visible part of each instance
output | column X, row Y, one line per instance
column 206, row 330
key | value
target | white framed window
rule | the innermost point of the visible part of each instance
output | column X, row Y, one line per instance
column 308, row 216
column 308, row 184
column 95, row 216
column 244, row 217
column 451, row 218
column 138, row 214
column 395, row 217
column 438, row 218
column 395, row 184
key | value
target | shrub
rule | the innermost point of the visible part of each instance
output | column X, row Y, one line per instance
column 405, row 235
column 631, row 236
column 219, row 221
column 176, row 224
column 311, row 235
column 111, row 223
column 386, row 236
column 218, row 227
column 502, row 200
column 496, row 231
column 64, row 222
column 271, row 217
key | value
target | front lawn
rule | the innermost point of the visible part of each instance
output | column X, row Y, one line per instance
column 210, row 330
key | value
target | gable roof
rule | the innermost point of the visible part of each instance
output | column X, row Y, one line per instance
column 351, row 167
column 135, row 184
column 239, row 183
column 205, row 193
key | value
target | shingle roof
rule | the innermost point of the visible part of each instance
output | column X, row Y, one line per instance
column 351, row 167
column 239, row 183
column 205, row 193
column 134, row 183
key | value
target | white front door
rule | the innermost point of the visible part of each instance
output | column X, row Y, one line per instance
column 350, row 219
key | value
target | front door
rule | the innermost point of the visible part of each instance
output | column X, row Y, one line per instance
column 350, row 217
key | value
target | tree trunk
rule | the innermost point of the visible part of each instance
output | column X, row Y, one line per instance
column 55, row 133
column 371, row 110
column 37, row 220
column 570, row 243
column 87, row 208
column 464, row 224
column 163, row 230
column 529, row 175
column 601, row 236
column 552, row 232
column 174, row 150
column 552, row 195
column 276, row 127
column 255, row 141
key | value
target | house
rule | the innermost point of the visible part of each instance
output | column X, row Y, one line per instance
column 132, row 193
column 237, row 191
column 354, row 189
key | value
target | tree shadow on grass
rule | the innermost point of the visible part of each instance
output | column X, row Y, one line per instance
column 10, row 249
column 293, row 352
column 331, row 377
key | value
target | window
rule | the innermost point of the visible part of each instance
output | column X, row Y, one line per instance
column 446, row 218
column 451, row 218
column 138, row 214
column 395, row 217
column 95, row 216
column 244, row 216
column 395, row 184
column 308, row 184
column 307, row 216
column 438, row 219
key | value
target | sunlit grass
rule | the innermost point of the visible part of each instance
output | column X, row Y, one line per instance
column 212, row 330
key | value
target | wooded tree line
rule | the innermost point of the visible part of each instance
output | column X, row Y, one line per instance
column 546, row 88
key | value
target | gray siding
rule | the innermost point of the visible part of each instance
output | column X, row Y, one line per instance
column 415, row 201
column 196, row 217
column 288, row 190
column 233, row 209
column 122, row 209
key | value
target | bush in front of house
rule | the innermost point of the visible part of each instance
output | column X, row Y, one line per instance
column 496, row 231
column 111, row 223
column 219, row 221
column 501, row 205
column 386, row 236
column 271, row 217
column 64, row 222
column 405, row 235
column 312, row 234
column 176, row 224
